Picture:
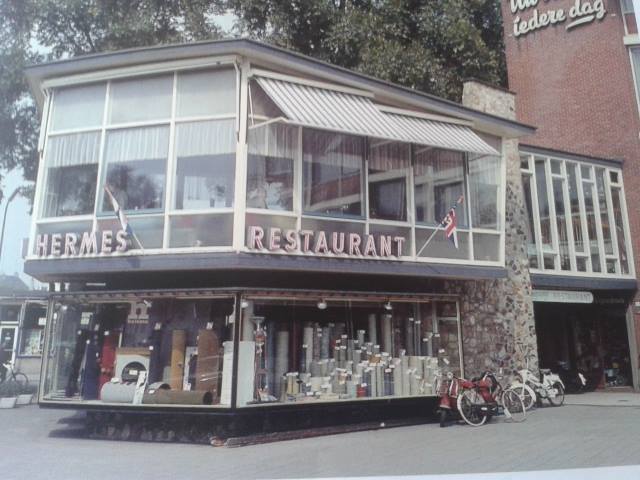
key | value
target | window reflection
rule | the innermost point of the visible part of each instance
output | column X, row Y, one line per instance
column 273, row 149
column 136, row 168
column 205, row 172
column 389, row 165
column 439, row 182
column 332, row 177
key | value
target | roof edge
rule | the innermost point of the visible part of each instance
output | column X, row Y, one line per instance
column 37, row 73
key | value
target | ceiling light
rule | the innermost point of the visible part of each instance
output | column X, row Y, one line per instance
column 322, row 305
column 388, row 306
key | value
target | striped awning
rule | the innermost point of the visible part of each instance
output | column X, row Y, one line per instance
column 350, row 112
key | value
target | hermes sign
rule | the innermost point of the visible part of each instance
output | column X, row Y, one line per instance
column 532, row 15
column 319, row 242
column 78, row 245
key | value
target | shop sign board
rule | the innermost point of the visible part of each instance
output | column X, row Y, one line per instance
column 561, row 296
column 532, row 15
column 321, row 243
column 78, row 245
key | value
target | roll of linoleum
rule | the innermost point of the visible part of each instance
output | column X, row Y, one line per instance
column 307, row 339
column 178, row 347
column 282, row 358
column 373, row 333
column 177, row 397
column 387, row 346
column 116, row 392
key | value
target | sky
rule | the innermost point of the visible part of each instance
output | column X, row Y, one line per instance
column 18, row 216
column 16, row 228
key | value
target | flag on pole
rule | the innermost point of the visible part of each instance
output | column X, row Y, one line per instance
column 450, row 223
column 124, row 221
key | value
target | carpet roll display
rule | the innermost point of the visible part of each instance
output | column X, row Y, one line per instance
column 177, row 397
column 356, row 368
column 178, row 347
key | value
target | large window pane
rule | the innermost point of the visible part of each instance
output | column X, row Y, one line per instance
column 576, row 218
column 543, row 204
column 616, row 196
column 532, row 249
column 136, row 161
column 205, row 172
column 486, row 247
column 273, row 150
column 148, row 230
column 594, row 250
column 389, row 165
column 72, row 170
column 78, row 107
column 561, row 224
column 440, row 246
column 183, row 348
column 140, row 99
column 358, row 350
column 210, row 92
column 604, row 211
column 32, row 337
column 484, row 188
column 439, row 183
column 332, row 177
column 201, row 231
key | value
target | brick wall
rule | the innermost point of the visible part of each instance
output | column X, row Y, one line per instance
column 576, row 86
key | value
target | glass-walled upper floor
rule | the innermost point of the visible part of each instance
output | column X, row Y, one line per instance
column 203, row 160
column 577, row 217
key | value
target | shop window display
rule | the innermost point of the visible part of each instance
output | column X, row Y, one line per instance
column 313, row 350
column 142, row 351
column 32, row 336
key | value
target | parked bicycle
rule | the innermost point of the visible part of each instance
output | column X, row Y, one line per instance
column 11, row 375
column 533, row 388
column 478, row 400
column 484, row 397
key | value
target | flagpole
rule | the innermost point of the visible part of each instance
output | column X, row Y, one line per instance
column 429, row 239
column 439, row 226
column 137, row 240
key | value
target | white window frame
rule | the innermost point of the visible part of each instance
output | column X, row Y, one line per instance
column 608, row 186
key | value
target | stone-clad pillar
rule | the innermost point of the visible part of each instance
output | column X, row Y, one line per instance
column 498, row 314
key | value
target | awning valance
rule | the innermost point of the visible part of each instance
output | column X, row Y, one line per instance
column 341, row 111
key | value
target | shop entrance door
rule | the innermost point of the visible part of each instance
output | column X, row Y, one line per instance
column 591, row 338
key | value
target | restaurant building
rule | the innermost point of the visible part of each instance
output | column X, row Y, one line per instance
column 574, row 66
column 279, row 245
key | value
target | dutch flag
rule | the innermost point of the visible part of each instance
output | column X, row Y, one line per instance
column 124, row 221
column 450, row 223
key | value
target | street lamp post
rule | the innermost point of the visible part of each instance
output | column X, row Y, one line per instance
column 4, row 218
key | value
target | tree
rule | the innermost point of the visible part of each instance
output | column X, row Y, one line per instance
column 34, row 30
column 429, row 45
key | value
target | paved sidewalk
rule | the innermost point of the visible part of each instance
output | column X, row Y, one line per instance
column 48, row 444
column 605, row 399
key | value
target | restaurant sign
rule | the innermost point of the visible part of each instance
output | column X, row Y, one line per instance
column 561, row 296
column 532, row 15
column 78, row 245
column 320, row 242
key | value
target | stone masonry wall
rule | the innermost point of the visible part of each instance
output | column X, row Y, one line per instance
column 498, row 314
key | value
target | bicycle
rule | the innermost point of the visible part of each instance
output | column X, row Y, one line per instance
column 481, row 399
column 12, row 376
column 533, row 388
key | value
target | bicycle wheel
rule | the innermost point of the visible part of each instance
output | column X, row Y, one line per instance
column 558, row 399
column 526, row 393
column 21, row 379
column 513, row 405
column 469, row 405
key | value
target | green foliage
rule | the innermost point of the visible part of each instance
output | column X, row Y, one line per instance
column 35, row 30
column 429, row 45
